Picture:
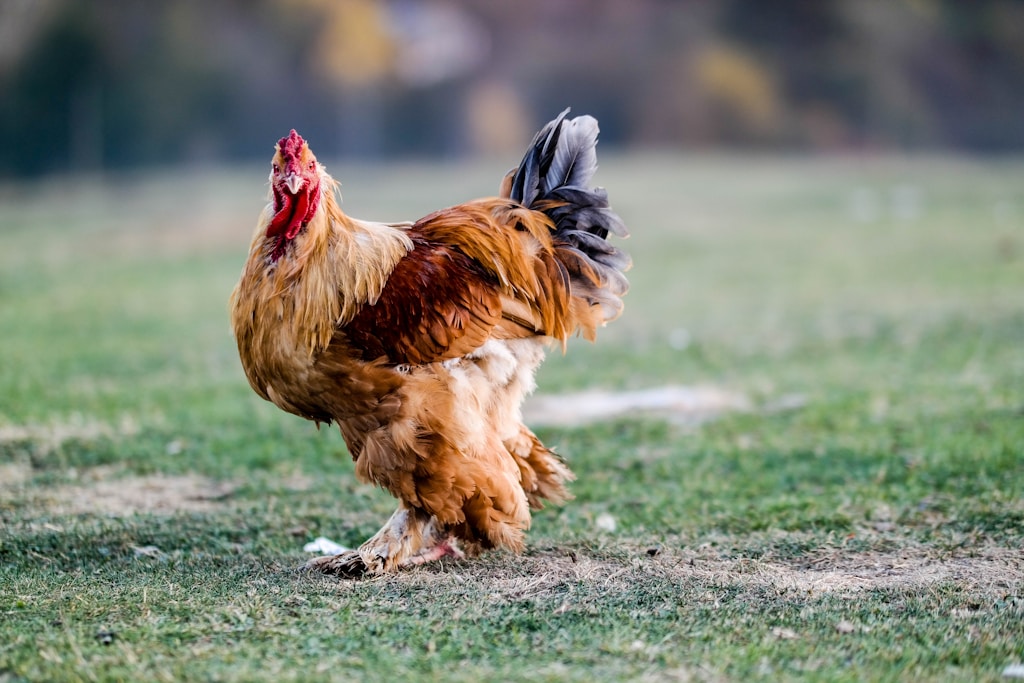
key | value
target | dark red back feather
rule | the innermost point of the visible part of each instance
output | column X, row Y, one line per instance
column 438, row 304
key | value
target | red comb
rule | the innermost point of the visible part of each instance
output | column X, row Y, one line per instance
column 291, row 146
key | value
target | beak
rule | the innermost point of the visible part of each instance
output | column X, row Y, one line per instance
column 293, row 181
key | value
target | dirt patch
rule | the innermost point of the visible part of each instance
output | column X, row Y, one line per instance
column 569, row 579
column 992, row 567
column 689, row 405
column 14, row 474
column 102, row 490
column 49, row 436
column 995, row 568
column 122, row 496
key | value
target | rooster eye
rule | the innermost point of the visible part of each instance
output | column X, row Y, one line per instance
column 275, row 167
column 312, row 165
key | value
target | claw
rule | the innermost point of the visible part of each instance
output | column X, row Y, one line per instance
column 348, row 564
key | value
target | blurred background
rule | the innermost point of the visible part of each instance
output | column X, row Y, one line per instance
column 113, row 84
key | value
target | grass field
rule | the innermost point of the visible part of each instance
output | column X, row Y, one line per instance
column 860, row 519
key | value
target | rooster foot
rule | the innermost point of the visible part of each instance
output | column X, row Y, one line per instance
column 410, row 538
column 348, row 564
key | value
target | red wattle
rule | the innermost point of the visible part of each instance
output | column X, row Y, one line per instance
column 313, row 205
column 294, row 212
column 300, row 211
column 285, row 205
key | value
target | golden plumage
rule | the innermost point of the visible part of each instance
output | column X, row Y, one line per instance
column 421, row 340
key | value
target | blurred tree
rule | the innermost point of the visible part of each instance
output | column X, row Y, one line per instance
column 51, row 99
column 116, row 83
column 744, row 98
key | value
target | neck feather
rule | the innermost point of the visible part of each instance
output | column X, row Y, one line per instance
column 337, row 265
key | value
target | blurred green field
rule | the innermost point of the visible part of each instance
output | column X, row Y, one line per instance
column 862, row 520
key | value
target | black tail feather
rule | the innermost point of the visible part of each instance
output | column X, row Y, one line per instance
column 554, row 177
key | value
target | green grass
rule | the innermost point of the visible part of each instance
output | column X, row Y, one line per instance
column 861, row 521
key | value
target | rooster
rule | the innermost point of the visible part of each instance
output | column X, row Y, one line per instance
column 421, row 340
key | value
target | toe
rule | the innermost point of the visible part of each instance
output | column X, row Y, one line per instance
column 348, row 564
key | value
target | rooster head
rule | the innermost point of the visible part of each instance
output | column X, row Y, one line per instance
column 295, row 184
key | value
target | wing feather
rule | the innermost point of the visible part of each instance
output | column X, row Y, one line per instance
column 473, row 267
column 437, row 304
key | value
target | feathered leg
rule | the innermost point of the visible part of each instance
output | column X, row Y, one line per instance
column 411, row 537
column 543, row 474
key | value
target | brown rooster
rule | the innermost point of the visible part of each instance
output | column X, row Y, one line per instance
column 420, row 340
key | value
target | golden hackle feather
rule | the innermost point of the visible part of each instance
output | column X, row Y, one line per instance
column 339, row 264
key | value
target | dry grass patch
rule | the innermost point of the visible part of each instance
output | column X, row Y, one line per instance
column 46, row 437
column 992, row 569
column 573, row 579
column 106, row 491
